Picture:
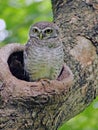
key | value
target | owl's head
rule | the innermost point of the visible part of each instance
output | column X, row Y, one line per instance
column 44, row 31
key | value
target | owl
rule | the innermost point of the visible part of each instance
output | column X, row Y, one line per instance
column 43, row 54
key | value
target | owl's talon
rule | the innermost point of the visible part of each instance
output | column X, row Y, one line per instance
column 46, row 80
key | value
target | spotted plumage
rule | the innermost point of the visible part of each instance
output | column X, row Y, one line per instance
column 43, row 54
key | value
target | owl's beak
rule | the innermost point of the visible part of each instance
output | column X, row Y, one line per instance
column 41, row 36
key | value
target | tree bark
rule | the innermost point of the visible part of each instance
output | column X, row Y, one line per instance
column 78, row 20
column 47, row 104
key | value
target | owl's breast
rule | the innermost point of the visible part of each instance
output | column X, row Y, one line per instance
column 44, row 62
column 48, row 56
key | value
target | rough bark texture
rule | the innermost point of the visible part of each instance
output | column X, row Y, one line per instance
column 46, row 104
column 78, row 20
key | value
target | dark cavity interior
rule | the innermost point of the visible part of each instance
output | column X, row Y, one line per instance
column 16, row 65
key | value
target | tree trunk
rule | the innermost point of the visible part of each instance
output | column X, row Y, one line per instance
column 47, row 104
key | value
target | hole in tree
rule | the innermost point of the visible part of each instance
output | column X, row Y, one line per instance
column 16, row 65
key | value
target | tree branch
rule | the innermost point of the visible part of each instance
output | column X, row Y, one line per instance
column 78, row 21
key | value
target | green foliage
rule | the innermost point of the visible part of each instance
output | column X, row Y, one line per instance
column 87, row 120
column 19, row 15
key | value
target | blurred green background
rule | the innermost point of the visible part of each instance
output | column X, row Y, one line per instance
column 16, row 16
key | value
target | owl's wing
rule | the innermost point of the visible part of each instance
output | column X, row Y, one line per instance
column 27, row 46
column 25, row 55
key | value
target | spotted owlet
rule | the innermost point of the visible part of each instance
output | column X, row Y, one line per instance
column 43, row 54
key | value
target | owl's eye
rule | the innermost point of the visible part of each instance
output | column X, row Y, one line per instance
column 48, row 31
column 35, row 30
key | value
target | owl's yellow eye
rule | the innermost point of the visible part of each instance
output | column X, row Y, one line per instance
column 48, row 31
column 35, row 30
